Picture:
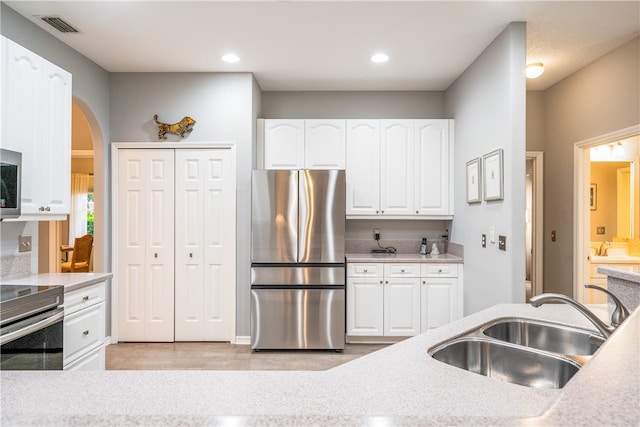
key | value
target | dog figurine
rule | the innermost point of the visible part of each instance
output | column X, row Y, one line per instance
column 183, row 126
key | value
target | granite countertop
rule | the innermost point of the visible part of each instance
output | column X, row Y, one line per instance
column 369, row 257
column 70, row 281
column 630, row 273
column 398, row 385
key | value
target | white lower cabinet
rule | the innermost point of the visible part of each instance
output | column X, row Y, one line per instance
column 84, row 328
column 400, row 300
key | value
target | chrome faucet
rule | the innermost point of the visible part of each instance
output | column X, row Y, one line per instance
column 619, row 314
column 605, row 249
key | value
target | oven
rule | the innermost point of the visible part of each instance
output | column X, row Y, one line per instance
column 31, row 327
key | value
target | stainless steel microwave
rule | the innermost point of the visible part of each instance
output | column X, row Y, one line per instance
column 10, row 183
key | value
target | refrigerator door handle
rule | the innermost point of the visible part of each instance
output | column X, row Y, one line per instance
column 304, row 195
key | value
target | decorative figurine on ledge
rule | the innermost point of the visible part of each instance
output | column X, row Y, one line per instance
column 183, row 126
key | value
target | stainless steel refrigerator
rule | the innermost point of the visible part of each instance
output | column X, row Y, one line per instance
column 297, row 259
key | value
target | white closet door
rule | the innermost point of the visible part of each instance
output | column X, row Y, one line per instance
column 205, row 245
column 146, row 245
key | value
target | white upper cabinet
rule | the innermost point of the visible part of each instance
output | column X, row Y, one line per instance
column 324, row 144
column 301, row 144
column 36, row 117
column 284, row 144
column 400, row 168
column 434, row 167
column 397, row 167
column 363, row 167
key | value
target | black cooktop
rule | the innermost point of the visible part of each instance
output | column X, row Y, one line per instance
column 20, row 301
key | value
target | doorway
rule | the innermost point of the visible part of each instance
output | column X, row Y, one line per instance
column 596, row 206
column 534, row 223
column 87, row 155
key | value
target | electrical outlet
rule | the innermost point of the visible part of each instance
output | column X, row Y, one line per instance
column 376, row 233
column 24, row 243
column 484, row 240
column 502, row 243
column 553, row 235
column 600, row 230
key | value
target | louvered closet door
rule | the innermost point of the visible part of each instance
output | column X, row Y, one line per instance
column 145, row 257
column 205, row 245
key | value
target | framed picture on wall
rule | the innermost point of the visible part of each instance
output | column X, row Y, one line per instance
column 474, row 194
column 593, row 197
column 493, row 180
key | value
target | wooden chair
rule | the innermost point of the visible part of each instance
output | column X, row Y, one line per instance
column 81, row 255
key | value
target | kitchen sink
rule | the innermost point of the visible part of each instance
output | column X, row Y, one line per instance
column 506, row 362
column 522, row 351
column 544, row 336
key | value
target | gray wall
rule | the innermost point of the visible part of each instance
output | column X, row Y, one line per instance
column 488, row 103
column 601, row 98
column 353, row 105
column 535, row 121
column 223, row 104
column 90, row 87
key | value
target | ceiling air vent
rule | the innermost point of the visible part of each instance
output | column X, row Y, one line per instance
column 59, row 24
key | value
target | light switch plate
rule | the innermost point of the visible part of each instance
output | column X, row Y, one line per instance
column 24, row 243
column 492, row 234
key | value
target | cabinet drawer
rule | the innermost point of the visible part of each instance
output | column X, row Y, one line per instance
column 439, row 270
column 94, row 361
column 83, row 332
column 401, row 270
column 365, row 270
column 82, row 298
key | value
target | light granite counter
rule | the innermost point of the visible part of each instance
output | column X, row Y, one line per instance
column 624, row 282
column 397, row 258
column 70, row 281
column 398, row 385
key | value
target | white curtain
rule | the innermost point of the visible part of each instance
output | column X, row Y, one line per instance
column 78, row 217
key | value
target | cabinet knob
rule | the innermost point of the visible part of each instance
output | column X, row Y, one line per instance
column 85, row 299
column 85, row 333
column 155, row 255
column 439, row 270
column 190, row 255
column 381, row 282
column 402, row 270
column 417, row 211
column 386, row 282
column 377, row 212
column 424, row 282
column 381, row 211
column 41, row 208
column 366, row 270
column 47, row 209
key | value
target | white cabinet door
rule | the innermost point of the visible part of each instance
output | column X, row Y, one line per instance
column 365, row 306
column 439, row 300
column 36, row 117
column 401, row 306
column 283, row 144
column 205, row 245
column 363, row 167
column 433, row 165
column 397, row 167
column 145, row 257
column 324, row 144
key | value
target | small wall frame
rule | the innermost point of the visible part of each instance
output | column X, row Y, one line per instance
column 474, row 179
column 493, row 175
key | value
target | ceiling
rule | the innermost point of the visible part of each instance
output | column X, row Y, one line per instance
column 326, row 45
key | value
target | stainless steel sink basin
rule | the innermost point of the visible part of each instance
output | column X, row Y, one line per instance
column 505, row 362
column 544, row 336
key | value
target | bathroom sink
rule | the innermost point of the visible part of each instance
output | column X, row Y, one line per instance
column 506, row 362
column 544, row 336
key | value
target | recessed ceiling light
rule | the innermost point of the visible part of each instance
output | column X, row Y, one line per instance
column 231, row 58
column 379, row 57
column 534, row 70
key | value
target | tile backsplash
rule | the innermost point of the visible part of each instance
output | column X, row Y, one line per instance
column 15, row 265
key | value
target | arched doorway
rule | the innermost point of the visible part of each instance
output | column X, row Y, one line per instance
column 87, row 148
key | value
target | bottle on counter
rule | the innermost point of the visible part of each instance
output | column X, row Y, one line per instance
column 434, row 249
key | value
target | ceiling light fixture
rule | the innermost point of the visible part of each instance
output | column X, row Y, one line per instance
column 231, row 58
column 534, row 70
column 379, row 57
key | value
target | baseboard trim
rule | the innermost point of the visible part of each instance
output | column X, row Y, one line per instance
column 243, row 340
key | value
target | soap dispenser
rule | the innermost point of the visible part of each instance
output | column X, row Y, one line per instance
column 434, row 249
column 423, row 246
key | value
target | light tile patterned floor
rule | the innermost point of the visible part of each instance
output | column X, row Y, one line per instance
column 223, row 356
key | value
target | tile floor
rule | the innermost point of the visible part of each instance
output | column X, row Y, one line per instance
column 224, row 356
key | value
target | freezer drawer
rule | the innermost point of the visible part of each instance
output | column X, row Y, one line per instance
column 297, row 319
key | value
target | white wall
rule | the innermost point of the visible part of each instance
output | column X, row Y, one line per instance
column 488, row 104
column 223, row 106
